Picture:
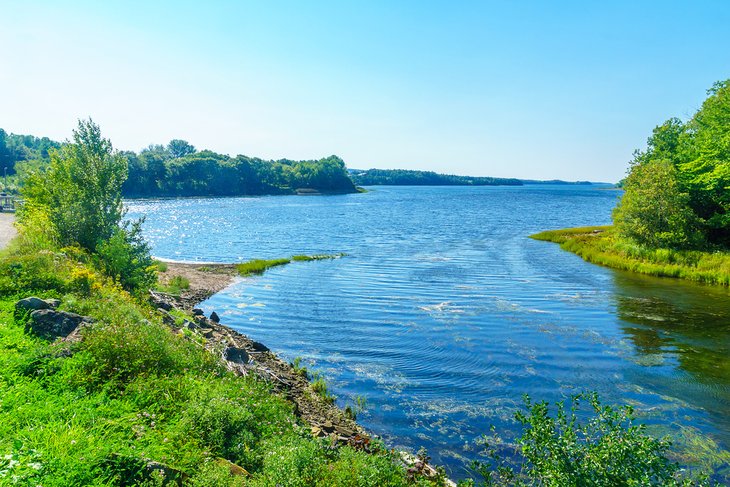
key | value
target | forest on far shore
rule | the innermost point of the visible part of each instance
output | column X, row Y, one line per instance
column 179, row 169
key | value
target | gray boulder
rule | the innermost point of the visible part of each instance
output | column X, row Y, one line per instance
column 33, row 303
column 51, row 324
column 214, row 317
column 236, row 355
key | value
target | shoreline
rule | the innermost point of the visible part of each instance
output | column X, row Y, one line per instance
column 599, row 245
column 242, row 355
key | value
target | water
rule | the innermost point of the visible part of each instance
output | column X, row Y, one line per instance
column 444, row 313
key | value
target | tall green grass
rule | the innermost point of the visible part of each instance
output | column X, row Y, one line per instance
column 259, row 266
column 132, row 391
column 600, row 245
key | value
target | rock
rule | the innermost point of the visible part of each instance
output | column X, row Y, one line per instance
column 32, row 303
column 235, row 470
column 51, row 324
column 259, row 347
column 198, row 312
column 190, row 325
column 214, row 317
column 161, row 300
column 55, row 303
column 236, row 355
column 207, row 332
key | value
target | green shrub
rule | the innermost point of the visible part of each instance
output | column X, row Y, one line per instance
column 575, row 448
column 125, row 256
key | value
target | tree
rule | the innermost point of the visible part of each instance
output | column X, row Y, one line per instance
column 81, row 192
column 654, row 210
column 82, row 188
column 705, row 166
column 180, row 148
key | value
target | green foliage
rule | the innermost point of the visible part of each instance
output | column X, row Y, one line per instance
column 82, row 188
column 308, row 258
column 132, row 391
column 78, row 201
column 705, row 162
column 174, row 286
column 179, row 170
column 176, row 171
column 600, row 245
column 654, row 211
column 179, row 148
column 319, row 386
column 677, row 189
column 404, row 177
column 126, row 257
column 259, row 266
column 575, row 448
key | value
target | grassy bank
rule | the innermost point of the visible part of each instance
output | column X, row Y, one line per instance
column 259, row 266
column 600, row 245
column 133, row 394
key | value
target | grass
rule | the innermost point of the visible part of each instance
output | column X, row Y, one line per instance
column 132, row 391
column 257, row 267
column 600, row 245
column 308, row 258
column 319, row 385
column 175, row 285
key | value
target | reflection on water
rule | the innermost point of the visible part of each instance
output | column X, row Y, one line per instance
column 444, row 313
column 683, row 330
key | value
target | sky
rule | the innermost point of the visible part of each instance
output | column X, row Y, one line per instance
column 525, row 89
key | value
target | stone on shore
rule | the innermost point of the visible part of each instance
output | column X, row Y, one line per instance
column 50, row 324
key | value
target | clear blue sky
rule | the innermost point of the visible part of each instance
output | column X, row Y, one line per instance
column 510, row 88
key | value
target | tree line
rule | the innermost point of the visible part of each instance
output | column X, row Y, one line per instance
column 677, row 191
column 179, row 169
column 405, row 177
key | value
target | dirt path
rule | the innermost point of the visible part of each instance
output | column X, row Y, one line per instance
column 7, row 230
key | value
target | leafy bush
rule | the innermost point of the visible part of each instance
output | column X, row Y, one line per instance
column 126, row 258
column 82, row 188
column 602, row 447
column 654, row 211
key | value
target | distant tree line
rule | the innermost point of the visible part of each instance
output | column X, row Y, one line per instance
column 405, row 177
column 677, row 191
column 18, row 149
column 179, row 169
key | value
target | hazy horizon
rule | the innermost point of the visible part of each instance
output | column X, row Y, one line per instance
column 529, row 91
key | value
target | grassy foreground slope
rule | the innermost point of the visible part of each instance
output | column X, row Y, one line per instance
column 133, row 394
column 601, row 245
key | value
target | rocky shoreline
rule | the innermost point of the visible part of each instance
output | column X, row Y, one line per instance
column 243, row 356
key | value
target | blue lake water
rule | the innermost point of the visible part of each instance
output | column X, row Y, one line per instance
column 443, row 313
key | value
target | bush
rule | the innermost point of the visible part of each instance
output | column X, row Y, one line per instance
column 82, row 189
column 654, row 211
column 126, row 258
column 600, row 447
